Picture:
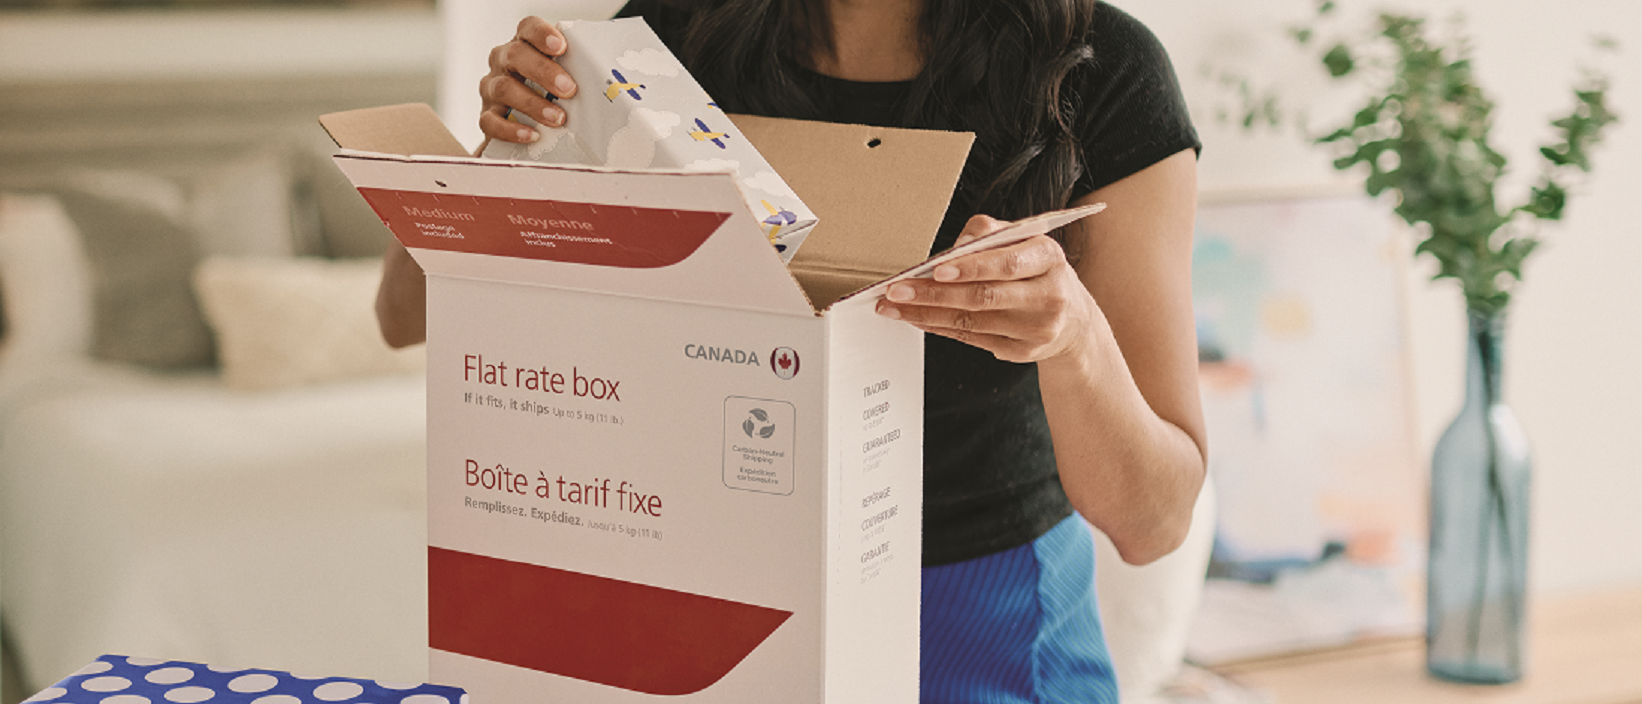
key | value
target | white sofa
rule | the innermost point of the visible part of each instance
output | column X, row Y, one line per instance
column 171, row 514
column 263, row 509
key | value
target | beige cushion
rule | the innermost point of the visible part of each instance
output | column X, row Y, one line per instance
column 288, row 322
column 1146, row 611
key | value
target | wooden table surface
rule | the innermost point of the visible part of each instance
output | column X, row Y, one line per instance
column 1584, row 649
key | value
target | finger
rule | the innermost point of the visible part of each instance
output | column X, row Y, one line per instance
column 501, row 92
column 1022, row 260
column 979, row 226
column 979, row 295
column 524, row 59
column 1004, row 348
column 494, row 125
column 1010, row 324
column 543, row 35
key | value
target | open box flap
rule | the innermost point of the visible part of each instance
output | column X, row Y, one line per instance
column 665, row 235
column 1010, row 234
column 412, row 128
column 879, row 193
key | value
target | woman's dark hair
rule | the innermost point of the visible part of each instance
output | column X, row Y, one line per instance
column 992, row 67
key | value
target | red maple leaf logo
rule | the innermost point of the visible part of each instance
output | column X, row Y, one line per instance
column 784, row 362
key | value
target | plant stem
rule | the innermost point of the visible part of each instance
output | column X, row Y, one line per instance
column 1474, row 633
column 1495, row 500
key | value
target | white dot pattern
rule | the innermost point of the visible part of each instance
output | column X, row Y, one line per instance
column 95, row 667
column 250, row 684
column 129, row 680
column 189, row 695
column 105, row 684
column 338, row 691
column 170, row 675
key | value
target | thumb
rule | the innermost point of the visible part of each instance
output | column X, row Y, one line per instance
column 978, row 227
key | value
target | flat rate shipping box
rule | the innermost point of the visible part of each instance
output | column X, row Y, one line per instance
column 661, row 463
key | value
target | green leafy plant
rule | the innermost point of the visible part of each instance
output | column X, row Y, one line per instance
column 1423, row 134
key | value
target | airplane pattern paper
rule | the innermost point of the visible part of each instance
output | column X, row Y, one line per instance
column 638, row 108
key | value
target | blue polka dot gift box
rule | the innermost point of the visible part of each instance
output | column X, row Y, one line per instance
column 117, row 679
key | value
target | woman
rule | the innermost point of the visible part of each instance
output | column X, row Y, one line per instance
column 1061, row 371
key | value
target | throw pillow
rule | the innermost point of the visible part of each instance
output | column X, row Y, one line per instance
column 289, row 322
column 141, row 255
column 143, row 234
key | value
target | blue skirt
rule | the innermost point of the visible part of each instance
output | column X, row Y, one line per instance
column 1017, row 627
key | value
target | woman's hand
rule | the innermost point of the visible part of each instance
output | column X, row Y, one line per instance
column 1114, row 338
column 1022, row 303
column 530, row 55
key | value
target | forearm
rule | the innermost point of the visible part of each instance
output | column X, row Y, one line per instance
column 1110, row 328
column 1130, row 472
column 1123, row 400
column 402, row 299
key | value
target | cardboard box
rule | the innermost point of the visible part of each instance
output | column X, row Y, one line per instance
column 638, row 108
column 661, row 463
column 118, row 679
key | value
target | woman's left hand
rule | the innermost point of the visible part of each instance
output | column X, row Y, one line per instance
column 1022, row 303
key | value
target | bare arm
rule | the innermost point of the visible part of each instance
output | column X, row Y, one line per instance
column 402, row 299
column 1115, row 344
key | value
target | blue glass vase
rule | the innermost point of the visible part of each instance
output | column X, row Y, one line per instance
column 1476, row 593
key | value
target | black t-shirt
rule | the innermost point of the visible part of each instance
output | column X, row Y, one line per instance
column 990, row 481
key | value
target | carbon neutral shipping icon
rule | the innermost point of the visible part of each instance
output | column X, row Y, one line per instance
column 758, row 445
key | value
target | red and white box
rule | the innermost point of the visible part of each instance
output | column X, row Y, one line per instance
column 661, row 464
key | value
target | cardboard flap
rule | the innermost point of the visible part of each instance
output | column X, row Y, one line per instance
column 664, row 235
column 878, row 193
column 1010, row 234
column 412, row 128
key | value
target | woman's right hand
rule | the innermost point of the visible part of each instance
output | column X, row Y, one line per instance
column 530, row 55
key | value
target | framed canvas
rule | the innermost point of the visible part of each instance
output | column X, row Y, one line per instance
column 1307, row 396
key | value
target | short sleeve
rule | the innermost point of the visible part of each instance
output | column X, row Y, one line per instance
column 1132, row 113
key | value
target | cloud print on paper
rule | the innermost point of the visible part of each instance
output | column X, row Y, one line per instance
column 650, row 63
column 768, row 182
column 634, row 146
column 549, row 139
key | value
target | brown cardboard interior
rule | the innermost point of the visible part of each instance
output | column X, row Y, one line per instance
column 880, row 193
column 412, row 128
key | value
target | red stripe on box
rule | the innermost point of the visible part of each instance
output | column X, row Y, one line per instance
column 578, row 233
column 622, row 634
